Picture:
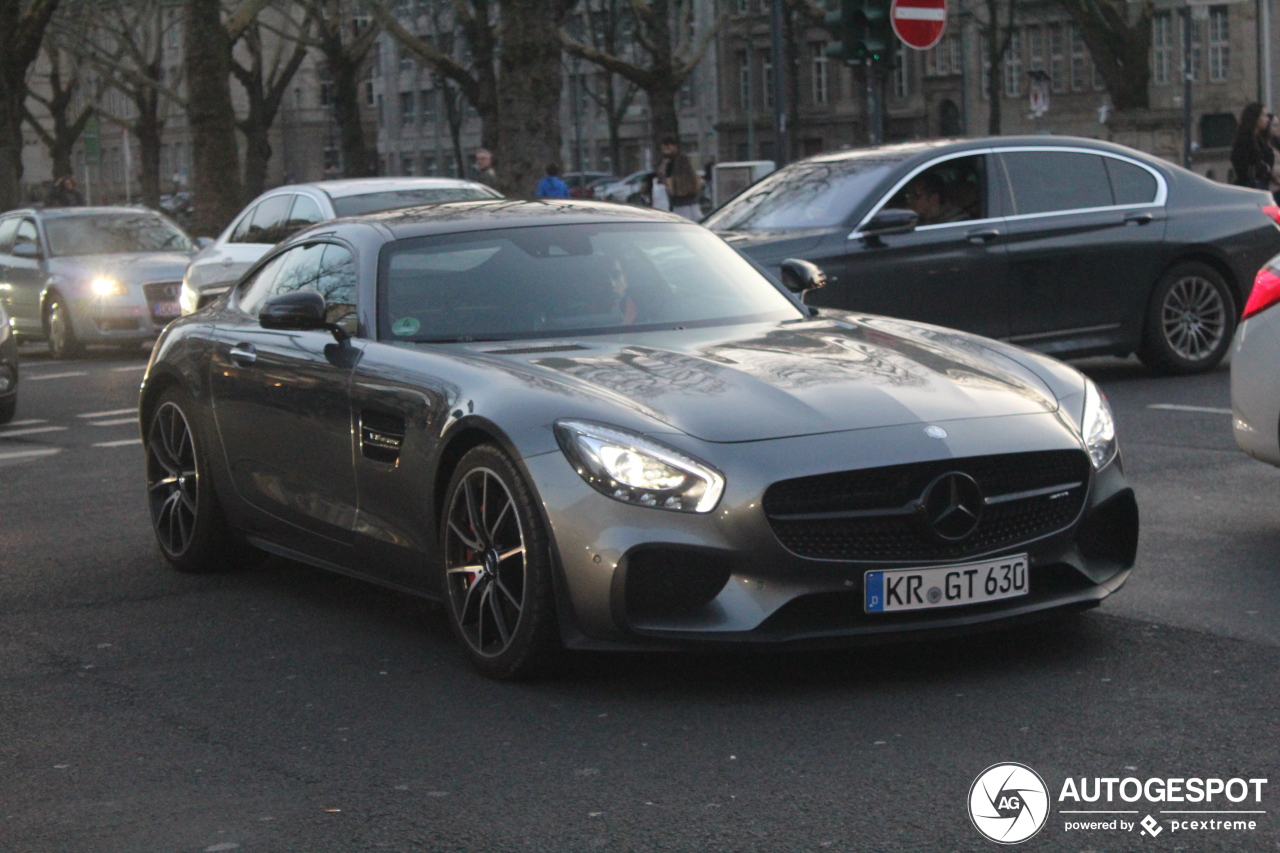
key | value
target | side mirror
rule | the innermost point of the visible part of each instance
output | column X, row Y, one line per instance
column 801, row 276
column 27, row 250
column 890, row 221
column 299, row 311
column 204, row 242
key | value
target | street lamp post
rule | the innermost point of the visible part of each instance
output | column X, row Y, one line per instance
column 1188, row 72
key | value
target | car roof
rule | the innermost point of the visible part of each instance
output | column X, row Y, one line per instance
column 51, row 212
column 907, row 150
column 455, row 217
column 364, row 186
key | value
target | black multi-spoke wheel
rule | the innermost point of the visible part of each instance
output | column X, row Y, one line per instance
column 63, row 342
column 1191, row 320
column 497, row 567
column 173, row 479
column 188, row 522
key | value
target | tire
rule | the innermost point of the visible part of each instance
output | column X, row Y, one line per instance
column 8, row 408
column 499, row 603
column 191, row 530
column 1190, row 321
column 63, row 342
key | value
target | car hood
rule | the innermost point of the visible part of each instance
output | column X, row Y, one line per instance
column 749, row 383
column 130, row 267
column 770, row 243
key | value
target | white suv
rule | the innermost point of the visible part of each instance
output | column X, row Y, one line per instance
column 280, row 212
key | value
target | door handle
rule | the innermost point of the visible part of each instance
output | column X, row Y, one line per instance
column 243, row 354
column 1139, row 218
column 982, row 235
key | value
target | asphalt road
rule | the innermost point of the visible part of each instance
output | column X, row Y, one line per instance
column 284, row 709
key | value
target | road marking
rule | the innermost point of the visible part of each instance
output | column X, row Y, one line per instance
column 14, row 433
column 118, row 443
column 1174, row 407
column 22, row 454
column 116, row 421
column 56, row 375
column 27, row 422
column 130, row 367
column 113, row 412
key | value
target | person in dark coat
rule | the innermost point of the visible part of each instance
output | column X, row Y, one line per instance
column 64, row 193
column 1251, row 155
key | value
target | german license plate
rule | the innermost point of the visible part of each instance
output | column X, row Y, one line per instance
column 945, row 586
column 166, row 309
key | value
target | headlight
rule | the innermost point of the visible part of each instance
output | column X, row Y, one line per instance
column 188, row 299
column 636, row 470
column 107, row 287
column 4, row 327
column 1097, row 427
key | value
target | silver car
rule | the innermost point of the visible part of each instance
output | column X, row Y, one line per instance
column 1255, row 384
column 278, row 213
column 90, row 275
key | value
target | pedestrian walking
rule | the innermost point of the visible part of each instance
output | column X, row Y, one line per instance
column 1252, row 156
column 483, row 169
column 680, row 180
column 551, row 186
column 63, row 193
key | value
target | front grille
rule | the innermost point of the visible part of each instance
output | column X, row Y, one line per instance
column 871, row 515
column 162, row 300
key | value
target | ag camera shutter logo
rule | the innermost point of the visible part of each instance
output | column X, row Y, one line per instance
column 1008, row 803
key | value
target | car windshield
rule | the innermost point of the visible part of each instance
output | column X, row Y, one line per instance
column 810, row 194
column 354, row 205
column 113, row 234
column 553, row 281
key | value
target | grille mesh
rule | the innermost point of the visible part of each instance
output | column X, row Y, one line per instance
column 902, row 537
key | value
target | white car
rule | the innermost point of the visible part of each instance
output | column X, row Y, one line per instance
column 1255, row 380
column 278, row 213
column 624, row 190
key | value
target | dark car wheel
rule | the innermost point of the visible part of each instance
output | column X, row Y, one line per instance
column 8, row 408
column 1190, row 322
column 497, row 567
column 189, row 525
column 63, row 342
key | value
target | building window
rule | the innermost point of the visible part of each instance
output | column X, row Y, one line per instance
column 1013, row 66
column 406, row 165
column 407, row 62
column 1195, row 48
column 379, row 111
column 1035, row 48
column 427, row 102
column 1057, row 57
column 1079, row 61
column 744, row 6
column 1162, row 48
column 332, row 155
column 407, row 111
column 1219, row 43
column 428, row 165
column 744, row 80
column 901, row 76
column 820, row 69
column 766, row 79
column 944, row 58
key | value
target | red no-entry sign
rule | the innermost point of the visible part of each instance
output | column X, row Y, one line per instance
column 919, row 23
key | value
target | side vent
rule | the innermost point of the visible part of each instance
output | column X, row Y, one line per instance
column 381, row 436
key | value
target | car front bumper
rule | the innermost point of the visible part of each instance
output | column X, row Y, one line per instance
column 769, row 595
column 136, row 315
column 1255, row 388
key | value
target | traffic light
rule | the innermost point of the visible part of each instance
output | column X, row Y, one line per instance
column 861, row 31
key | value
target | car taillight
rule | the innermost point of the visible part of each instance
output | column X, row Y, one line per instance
column 1266, row 292
column 1272, row 211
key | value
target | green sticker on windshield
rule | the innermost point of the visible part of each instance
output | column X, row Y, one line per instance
column 406, row 326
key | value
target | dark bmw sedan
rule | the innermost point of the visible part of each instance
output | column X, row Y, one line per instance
column 1069, row 246
column 588, row 426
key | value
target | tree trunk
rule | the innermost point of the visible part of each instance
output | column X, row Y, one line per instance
column 11, row 143
column 357, row 160
column 664, row 118
column 257, row 156
column 1120, row 48
column 529, row 96
column 22, row 27
column 211, row 117
column 148, row 133
column 994, row 87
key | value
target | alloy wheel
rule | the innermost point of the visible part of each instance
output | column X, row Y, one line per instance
column 173, row 478
column 1194, row 318
column 485, row 565
column 59, row 330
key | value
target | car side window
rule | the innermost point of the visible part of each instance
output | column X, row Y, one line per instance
column 268, row 224
column 241, row 232
column 305, row 212
column 337, row 284
column 1130, row 184
column 1050, row 181
column 8, row 230
column 327, row 268
column 27, row 234
column 255, row 290
column 951, row 191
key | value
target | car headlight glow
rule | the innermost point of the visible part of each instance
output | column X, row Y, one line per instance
column 188, row 299
column 1098, row 427
column 103, row 286
column 4, row 327
column 636, row 470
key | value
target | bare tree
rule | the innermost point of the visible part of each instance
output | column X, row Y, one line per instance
column 1118, row 35
column 996, row 40
column 345, row 34
column 22, row 28
column 265, row 80
column 666, row 33
column 605, row 24
column 71, row 94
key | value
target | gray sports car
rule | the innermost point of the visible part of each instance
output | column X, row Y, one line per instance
column 589, row 426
